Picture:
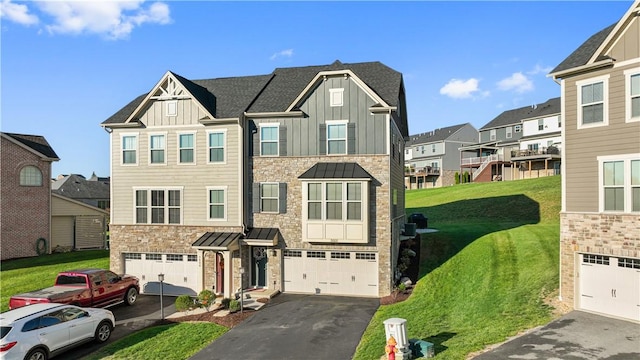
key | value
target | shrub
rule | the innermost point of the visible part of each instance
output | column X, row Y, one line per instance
column 234, row 305
column 184, row 303
column 457, row 178
column 206, row 298
column 225, row 303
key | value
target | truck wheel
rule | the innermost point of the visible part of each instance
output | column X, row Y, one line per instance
column 103, row 332
column 131, row 296
column 37, row 354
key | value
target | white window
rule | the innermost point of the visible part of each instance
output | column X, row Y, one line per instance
column 492, row 134
column 533, row 147
column 593, row 96
column 269, row 139
column 269, row 197
column 129, row 146
column 336, row 137
column 186, row 148
column 217, row 208
column 158, row 206
column 433, row 148
column 509, row 131
column 517, row 128
column 342, row 201
column 336, row 97
column 540, row 124
column 619, row 183
column 157, row 146
column 171, row 108
column 632, row 90
column 30, row 176
column 216, row 143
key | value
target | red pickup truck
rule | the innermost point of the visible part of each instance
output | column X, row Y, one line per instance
column 86, row 287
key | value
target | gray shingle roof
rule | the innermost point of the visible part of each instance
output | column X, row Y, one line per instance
column 35, row 142
column 435, row 135
column 77, row 187
column 514, row 116
column 230, row 97
column 583, row 53
column 336, row 171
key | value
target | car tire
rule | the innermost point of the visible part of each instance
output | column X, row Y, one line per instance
column 131, row 296
column 37, row 354
column 103, row 332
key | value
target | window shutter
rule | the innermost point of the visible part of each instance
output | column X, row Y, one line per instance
column 282, row 192
column 322, row 139
column 255, row 134
column 283, row 140
column 256, row 198
column 351, row 138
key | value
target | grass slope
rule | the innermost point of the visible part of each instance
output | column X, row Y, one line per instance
column 485, row 274
column 22, row 275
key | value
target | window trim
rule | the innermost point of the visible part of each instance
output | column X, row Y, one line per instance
column 38, row 183
column 277, row 141
column 224, row 203
column 166, row 206
column 224, row 146
column 364, row 200
column 178, row 148
column 517, row 128
column 171, row 108
column 508, row 132
column 627, row 93
column 628, row 194
column 604, row 79
column 137, row 148
column 277, row 197
column 164, row 149
column 332, row 93
column 345, row 123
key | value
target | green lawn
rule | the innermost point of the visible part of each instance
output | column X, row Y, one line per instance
column 22, row 275
column 485, row 274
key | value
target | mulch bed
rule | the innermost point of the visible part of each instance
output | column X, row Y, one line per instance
column 227, row 321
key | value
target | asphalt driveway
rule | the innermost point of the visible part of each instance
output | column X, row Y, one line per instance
column 575, row 336
column 297, row 327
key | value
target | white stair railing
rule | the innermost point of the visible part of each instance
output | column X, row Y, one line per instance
column 488, row 160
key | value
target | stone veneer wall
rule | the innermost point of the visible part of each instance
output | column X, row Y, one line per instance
column 593, row 233
column 287, row 169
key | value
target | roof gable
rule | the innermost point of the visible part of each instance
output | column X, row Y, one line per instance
column 515, row 116
column 34, row 143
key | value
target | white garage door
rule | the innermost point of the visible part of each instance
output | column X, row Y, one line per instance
column 331, row 272
column 181, row 272
column 610, row 285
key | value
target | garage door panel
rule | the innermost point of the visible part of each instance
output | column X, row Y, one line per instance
column 180, row 273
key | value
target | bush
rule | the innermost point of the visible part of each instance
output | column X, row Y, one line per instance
column 234, row 305
column 225, row 303
column 457, row 178
column 205, row 299
column 184, row 303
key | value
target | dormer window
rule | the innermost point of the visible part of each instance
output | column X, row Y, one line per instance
column 336, row 97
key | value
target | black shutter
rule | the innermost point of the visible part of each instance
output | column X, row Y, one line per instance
column 256, row 198
column 282, row 192
column 322, row 139
column 255, row 138
column 283, row 140
column 351, row 138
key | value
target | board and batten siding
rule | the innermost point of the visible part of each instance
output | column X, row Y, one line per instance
column 194, row 179
column 583, row 146
column 188, row 113
column 628, row 47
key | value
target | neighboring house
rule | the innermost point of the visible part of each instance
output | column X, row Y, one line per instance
column 25, row 195
column 432, row 159
column 94, row 191
column 600, row 218
column 490, row 158
column 76, row 225
column 291, row 181
column 540, row 145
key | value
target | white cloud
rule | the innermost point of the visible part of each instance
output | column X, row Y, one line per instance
column 461, row 89
column 112, row 19
column 18, row 13
column 518, row 82
column 539, row 69
column 284, row 53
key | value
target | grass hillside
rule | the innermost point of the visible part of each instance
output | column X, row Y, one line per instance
column 485, row 274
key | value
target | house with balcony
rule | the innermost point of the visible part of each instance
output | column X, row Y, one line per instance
column 490, row 159
column 432, row 158
column 600, row 216
column 290, row 181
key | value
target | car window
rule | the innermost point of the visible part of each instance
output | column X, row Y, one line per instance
column 111, row 277
column 96, row 279
column 73, row 313
column 31, row 324
column 71, row 280
column 4, row 330
column 52, row 318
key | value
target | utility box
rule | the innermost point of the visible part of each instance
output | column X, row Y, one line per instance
column 397, row 328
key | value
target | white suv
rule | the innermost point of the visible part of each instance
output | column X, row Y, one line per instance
column 41, row 331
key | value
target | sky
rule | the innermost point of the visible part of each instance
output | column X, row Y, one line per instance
column 66, row 66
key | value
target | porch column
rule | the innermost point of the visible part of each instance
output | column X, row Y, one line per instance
column 228, row 274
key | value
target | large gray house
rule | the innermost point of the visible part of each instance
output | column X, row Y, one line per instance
column 291, row 181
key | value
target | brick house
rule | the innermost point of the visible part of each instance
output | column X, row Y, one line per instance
column 600, row 217
column 291, row 181
column 25, row 195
